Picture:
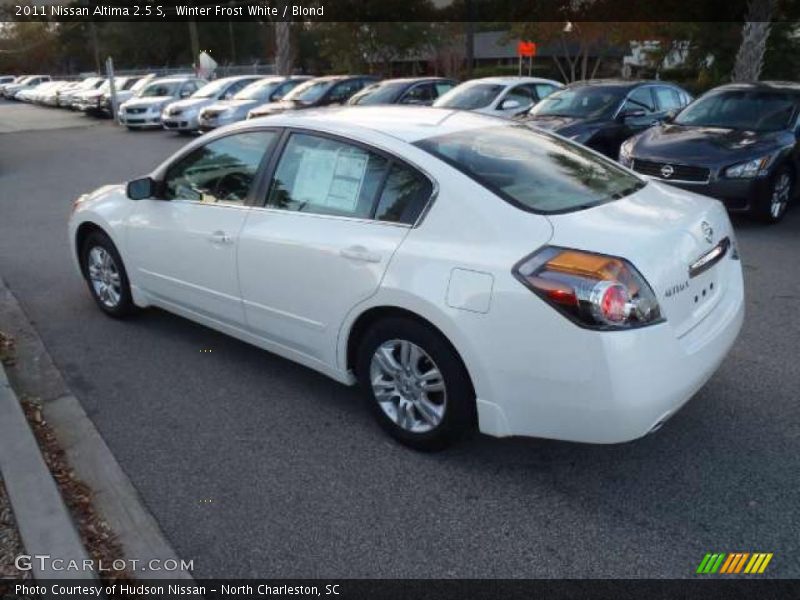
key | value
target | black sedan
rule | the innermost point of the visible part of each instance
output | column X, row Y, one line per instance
column 419, row 91
column 322, row 91
column 604, row 113
column 737, row 143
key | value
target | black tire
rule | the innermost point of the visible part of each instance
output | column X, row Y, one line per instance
column 771, row 210
column 124, row 306
column 459, row 413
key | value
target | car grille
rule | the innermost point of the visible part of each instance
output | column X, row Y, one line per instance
column 670, row 171
column 135, row 111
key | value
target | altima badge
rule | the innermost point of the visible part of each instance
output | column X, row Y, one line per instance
column 708, row 231
column 667, row 171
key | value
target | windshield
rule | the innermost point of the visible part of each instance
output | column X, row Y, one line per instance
column 212, row 89
column 533, row 170
column 260, row 90
column 582, row 102
column 139, row 85
column 754, row 110
column 379, row 94
column 470, row 96
column 308, row 93
column 159, row 89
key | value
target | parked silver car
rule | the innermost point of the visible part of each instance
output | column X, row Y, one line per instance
column 126, row 94
column 30, row 81
column 66, row 96
column 91, row 102
column 182, row 116
column 268, row 89
column 144, row 110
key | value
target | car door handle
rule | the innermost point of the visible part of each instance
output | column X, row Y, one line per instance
column 221, row 238
column 360, row 253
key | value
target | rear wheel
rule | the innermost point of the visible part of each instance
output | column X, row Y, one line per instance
column 418, row 387
column 106, row 276
column 781, row 193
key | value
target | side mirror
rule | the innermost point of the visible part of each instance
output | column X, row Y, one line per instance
column 185, row 93
column 670, row 116
column 510, row 104
column 634, row 113
column 141, row 189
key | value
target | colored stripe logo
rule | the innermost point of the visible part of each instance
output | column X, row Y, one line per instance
column 734, row 563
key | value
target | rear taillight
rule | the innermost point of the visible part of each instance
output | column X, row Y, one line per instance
column 593, row 290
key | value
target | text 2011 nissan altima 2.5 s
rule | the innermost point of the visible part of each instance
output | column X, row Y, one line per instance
column 463, row 270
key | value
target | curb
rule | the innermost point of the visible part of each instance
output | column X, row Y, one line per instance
column 115, row 497
column 43, row 520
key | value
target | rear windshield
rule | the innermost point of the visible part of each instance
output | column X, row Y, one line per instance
column 535, row 171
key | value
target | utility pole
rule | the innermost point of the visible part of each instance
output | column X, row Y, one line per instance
column 195, row 40
column 470, row 35
column 95, row 45
column 233, row 41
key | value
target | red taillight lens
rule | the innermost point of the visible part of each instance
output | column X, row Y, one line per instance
column 594, row 290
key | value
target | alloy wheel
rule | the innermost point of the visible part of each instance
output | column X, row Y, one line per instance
column 104, row 276
column 408, row 386
column 781, row 191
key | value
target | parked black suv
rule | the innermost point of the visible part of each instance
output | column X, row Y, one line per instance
column 601, row 114
column 737, row 143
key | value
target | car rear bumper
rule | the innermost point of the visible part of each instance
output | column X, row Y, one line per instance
column 557, row 380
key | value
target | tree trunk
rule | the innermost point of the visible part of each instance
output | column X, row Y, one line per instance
column 283, row 48
column 756, row 30
column 561, row 69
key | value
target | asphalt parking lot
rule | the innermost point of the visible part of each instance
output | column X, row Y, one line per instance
column 256, row 466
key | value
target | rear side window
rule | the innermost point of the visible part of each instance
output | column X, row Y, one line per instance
column 404, row 195
column 533, row 170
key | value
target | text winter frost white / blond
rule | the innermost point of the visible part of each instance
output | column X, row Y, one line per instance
column 256, row 10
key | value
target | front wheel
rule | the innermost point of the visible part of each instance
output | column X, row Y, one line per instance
column 105, row 275
column 780, row 194
column 419, row 389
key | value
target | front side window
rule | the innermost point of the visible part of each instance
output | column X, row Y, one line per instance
column 159, row 89
column 342, row 91
column 640, row 99
column 221, row 172
column 442, row 87
column 668, row 99
column 324, row 176
column 544, row 89
column 422, row 93
column 533, row 170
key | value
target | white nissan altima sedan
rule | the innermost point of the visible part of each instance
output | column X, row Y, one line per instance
column 462, row 269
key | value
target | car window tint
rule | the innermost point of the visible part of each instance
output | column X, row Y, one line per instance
column 522, row 94
column 442, row 87
column 543, row 90
column 419, row 94
column 324, row 176
column 668, row 99
column 404, row 195
column 221, row 172
column 531, row 169
column 640, row 99
column 343, row 91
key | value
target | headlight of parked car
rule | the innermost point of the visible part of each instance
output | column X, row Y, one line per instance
column 749, row 169
column 625, row 152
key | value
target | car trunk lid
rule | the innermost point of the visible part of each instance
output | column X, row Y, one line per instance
column 677, row 240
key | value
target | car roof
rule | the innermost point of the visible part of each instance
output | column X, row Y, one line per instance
column 784, row 86
column 407, row 123
column 620, row 83
column 512, row 80
column 173, row 79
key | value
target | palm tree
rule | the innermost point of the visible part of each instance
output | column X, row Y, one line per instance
column 756, row 30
